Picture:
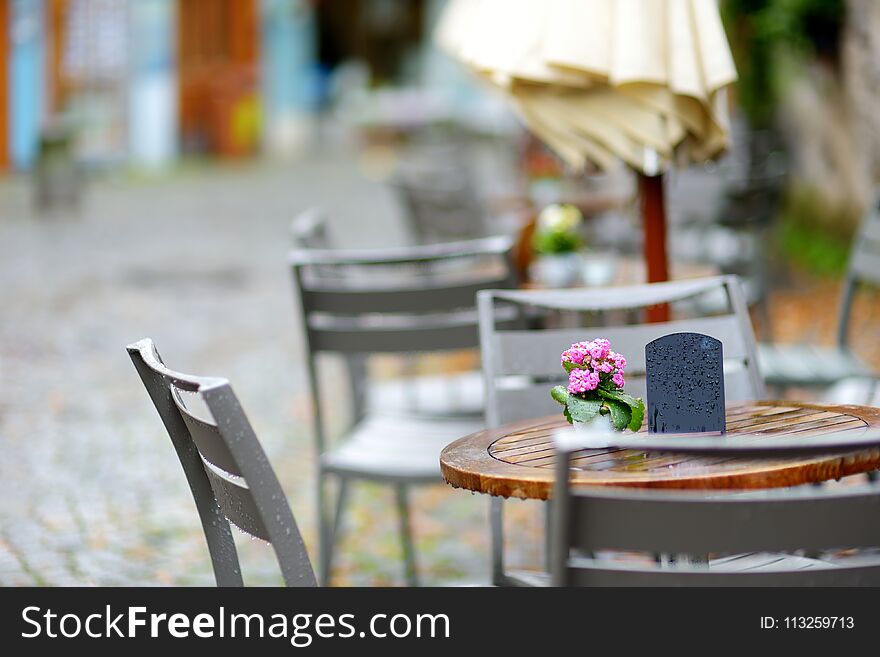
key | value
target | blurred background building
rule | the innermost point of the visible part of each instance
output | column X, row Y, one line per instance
column 145, row 82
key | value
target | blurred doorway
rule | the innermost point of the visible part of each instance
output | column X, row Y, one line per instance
column 383, row 34
column 218, row 54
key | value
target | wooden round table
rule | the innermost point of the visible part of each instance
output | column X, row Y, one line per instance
column 516, row 460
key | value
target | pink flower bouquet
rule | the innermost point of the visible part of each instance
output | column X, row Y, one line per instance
column 595, row 386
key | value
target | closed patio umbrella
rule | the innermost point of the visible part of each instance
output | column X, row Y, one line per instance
column 601, row 81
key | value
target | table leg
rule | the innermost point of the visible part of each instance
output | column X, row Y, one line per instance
column 496, row 525
column 548, row 515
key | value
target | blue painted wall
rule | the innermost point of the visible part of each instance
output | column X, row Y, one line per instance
column 27, row 80
column 289, row 73
column 153, row 83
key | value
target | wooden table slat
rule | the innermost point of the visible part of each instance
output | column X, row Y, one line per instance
column 516, row 460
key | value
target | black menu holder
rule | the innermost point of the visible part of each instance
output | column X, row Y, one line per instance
column 685, row 384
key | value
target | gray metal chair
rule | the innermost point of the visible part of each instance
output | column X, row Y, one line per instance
column 401, row 301
column 751, row 534
column 228, row 472
column 436, row 186
column 520, row 366
column 454, row 395
column 813, row 366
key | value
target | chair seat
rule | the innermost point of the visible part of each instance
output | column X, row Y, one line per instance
column 739, row 563
column 404, row 449
column 854, row 391
column 734, row 564
column 807, row 365
column 454, row 395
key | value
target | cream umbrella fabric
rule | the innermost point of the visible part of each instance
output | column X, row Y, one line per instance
column 604, row 80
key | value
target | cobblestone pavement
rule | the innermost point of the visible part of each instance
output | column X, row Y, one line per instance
column 93, row 493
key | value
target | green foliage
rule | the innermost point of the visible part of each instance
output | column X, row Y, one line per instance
column 635, row 404
column 620, row 414
column 552, row 242
column 765, row 33
column 560, row 394
column 582, row 409
column 627, row 412
column 814, row 235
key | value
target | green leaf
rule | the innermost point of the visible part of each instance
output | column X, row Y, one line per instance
column 567, row 415
column 583, row 410
column 620, row 413
column 638, row 416
column 569, row 366
column 636, row 405
column 612, row 392
column 559, row 394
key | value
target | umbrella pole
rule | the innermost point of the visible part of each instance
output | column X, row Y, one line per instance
column 654, row 218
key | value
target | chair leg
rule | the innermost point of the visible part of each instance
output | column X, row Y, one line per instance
column 330, row 530
column 341, row 499
column 323, row 534
column 409, row 555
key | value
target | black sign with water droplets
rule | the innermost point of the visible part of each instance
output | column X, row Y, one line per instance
column 685, row 384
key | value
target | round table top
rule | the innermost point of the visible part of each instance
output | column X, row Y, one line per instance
column 516, row 460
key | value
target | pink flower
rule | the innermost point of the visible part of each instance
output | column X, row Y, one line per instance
column 595, row 363
column 581, row 381
column 574, row 355
column 605, row 367
column 599, row 349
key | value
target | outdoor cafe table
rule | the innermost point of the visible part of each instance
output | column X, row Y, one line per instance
column 516, row 460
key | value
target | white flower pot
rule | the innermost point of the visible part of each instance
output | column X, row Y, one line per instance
column 557, row 270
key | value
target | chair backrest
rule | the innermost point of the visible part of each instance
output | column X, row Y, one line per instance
column 864, row 267
column 228, row 472
column 519, row 365
column 589, row 520
column 437, row 188
column 398, row 301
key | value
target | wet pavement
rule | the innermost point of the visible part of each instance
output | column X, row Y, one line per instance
column 93, row 493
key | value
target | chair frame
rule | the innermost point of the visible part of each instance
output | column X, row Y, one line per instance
column 428, row 182
column 735, row 325
column 355, row 342
column 228, row 445
column 687, row 522
column 864, row 267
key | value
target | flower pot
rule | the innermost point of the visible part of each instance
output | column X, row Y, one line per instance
column 599, row 427
column 557, row 270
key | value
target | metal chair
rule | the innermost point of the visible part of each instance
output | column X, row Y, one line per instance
column 400, row 301
column 813, row 366
column 746, row 531
column 454, row 395
column 228, row 472
column 520, row 366
column 436, row 186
